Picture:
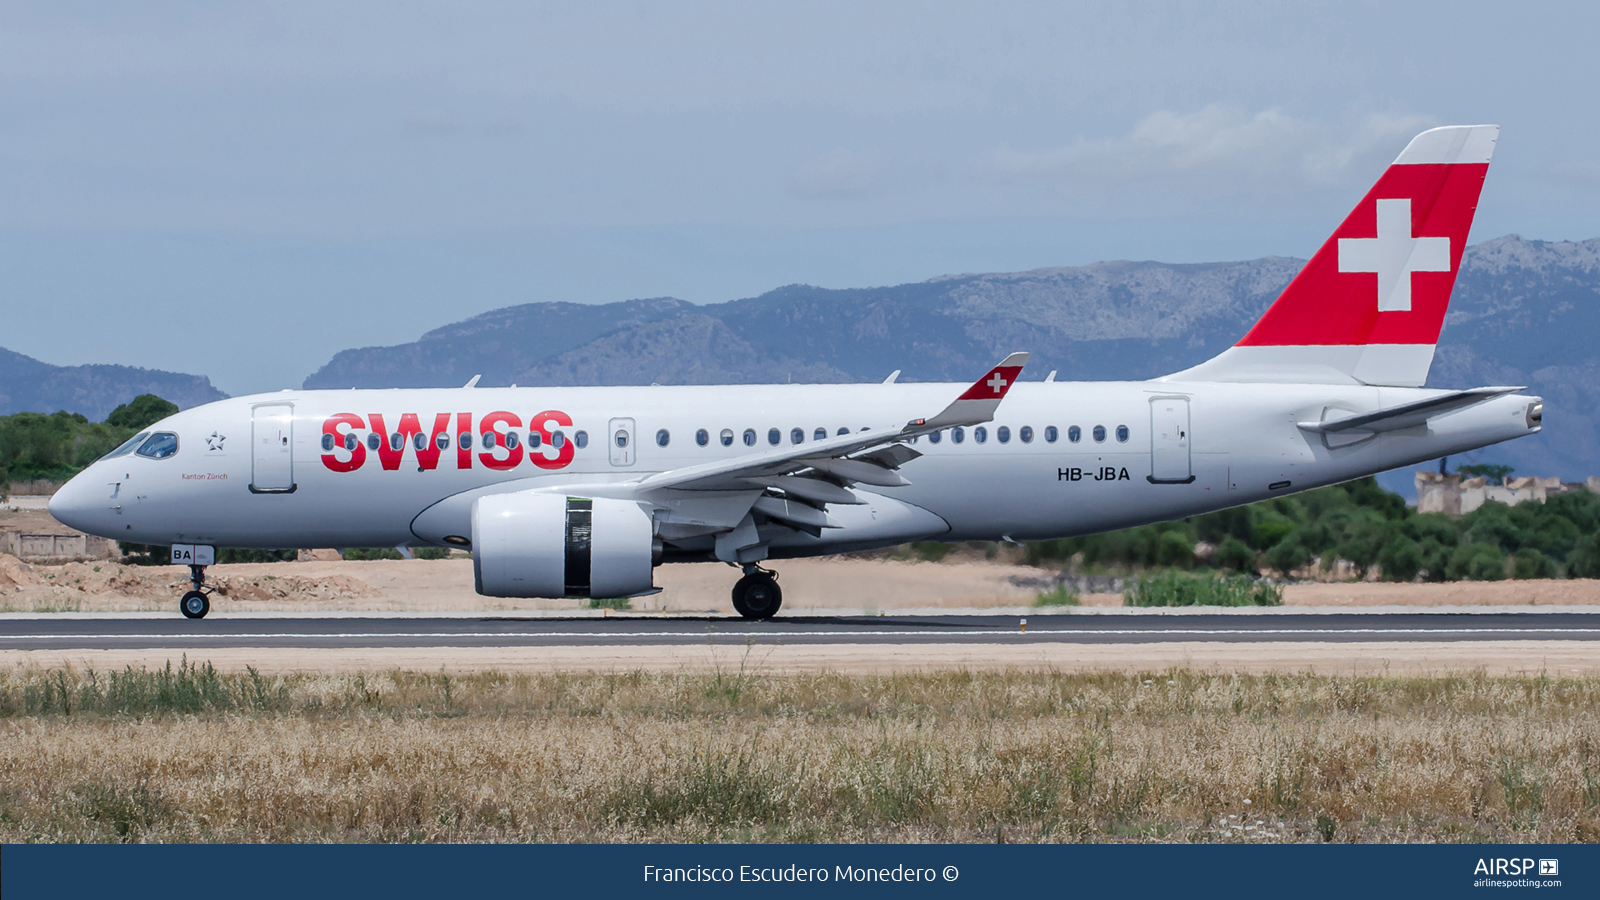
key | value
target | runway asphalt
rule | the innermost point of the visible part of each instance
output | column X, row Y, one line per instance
column 110, row 633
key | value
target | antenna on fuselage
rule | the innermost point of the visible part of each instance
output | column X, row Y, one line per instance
column 892, row 376
column 1051, row 376
column 473, row 382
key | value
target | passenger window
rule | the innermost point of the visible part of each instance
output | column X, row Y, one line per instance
column 373, row 441
column 1025, row 433
column 797, row 435
column 980, row 434
column 663, row 438
column 489, row 440
column 558, row 439
column 935, row 437
column 581, row 438
column 702, row 437
column 442, row 441
column 958, row 434
column 128, row 445
column 1074, row 434
column 842, row 432
column 774, row 436
column 464, row 439
column 1099, row 434
column 397, row 441
column 511, row 440
column 726, row 437
column 1050, row 434
column 160, row 445
column 1002, row 434
column 419, row 441
column 622, row 438
column 821, row 434
column 535, row 440
column 350, row 442
column 327, row 442
column 749, row 437
column 1122, row 434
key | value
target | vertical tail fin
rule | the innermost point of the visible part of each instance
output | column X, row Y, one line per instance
column 1368, row 307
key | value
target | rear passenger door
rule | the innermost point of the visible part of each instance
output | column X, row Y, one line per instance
column 1169, row 441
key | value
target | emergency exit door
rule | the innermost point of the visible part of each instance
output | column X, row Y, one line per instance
column 1169, row 441
column 272, row 449
column 622, row 442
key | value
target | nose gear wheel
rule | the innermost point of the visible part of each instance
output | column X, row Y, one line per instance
column 195, row 604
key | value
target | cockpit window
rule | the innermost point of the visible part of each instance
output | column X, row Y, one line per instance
column 128, row 445
column 160, row 445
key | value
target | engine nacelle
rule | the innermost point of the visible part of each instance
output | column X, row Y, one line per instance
column 532, row 544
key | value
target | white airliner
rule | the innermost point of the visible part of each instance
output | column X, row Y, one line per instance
column 581, row 492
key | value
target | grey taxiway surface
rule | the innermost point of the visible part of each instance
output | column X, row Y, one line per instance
column 113, row 633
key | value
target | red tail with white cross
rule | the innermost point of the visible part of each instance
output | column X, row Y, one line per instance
column 1369, row 305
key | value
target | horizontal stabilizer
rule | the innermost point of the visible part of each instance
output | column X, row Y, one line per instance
column 1407, row 414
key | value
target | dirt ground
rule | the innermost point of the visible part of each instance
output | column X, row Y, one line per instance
column 859, row 585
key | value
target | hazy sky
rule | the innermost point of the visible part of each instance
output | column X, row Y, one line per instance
column 240, row 190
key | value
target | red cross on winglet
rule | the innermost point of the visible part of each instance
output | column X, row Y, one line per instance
column 994, row 385
column 978, row 403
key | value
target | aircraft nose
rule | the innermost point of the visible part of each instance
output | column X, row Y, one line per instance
column 77, row 505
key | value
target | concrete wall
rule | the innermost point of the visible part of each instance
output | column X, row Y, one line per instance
column 1457, row 496
column 25, row 545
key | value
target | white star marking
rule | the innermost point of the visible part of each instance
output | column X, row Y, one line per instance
column 996, row 382
column 214, row 442
column 1394, row 254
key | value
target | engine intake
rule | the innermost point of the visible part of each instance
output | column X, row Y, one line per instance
column 532, row 544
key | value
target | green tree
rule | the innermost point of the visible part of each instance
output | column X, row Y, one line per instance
column 34, row 445
column 1400, row 559
column 1175, row 549
column 1287, row 555
column 1477, row 562
column 141, row 412
column 1235, row 554
column 1585, row 559
column 1529, row 563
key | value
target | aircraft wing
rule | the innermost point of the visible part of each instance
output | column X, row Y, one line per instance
column 1407, row 414
column 867, row 457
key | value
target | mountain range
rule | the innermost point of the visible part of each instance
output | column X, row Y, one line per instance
column 26, row 384
column 1523, row 312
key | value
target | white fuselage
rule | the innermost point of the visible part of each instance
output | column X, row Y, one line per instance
column 1210, row 445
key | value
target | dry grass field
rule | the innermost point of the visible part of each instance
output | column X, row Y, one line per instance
column 740, row 754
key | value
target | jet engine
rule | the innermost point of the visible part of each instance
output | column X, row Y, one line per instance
column 531, row 544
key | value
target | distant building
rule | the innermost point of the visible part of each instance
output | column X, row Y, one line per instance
column 1457, row 496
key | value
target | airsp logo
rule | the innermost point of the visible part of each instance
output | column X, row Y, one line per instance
column 1502, row 866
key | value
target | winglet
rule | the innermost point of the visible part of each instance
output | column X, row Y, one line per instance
column 978, row 403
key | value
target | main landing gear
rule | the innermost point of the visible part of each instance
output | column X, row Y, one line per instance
column 756, row 595
column 196, row 604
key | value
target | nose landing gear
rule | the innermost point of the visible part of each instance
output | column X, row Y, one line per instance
column 756, row 595
column 195, row 604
